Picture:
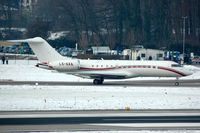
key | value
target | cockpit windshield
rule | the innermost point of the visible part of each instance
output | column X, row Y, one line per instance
column 176, row 65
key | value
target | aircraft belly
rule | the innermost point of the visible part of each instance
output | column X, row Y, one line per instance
column 106, row 74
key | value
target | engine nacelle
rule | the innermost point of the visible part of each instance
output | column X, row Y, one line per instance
column 65, row 65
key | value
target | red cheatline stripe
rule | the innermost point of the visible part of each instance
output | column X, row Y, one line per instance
column 84, row 68
column 172, row 70
column 51, row 67
column 110, row 68
column 45, row 63
column 162, row 68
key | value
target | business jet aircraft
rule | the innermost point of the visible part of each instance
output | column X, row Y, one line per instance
column 98, row 70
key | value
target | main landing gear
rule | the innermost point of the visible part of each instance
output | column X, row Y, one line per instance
column 98, row 81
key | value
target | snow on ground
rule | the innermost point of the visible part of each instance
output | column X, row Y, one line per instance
column 27, row 97
column 24, row 70
column 57, row 35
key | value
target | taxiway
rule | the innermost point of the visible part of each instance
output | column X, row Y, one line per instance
column 99, row 120
column 182, row 83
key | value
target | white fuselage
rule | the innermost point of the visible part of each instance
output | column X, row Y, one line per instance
column 119, row 69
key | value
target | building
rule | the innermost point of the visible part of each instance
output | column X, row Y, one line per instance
column 148, row 54
column 140, row 53
column 101, row 50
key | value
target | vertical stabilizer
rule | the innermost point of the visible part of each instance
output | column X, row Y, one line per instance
column 42, row 49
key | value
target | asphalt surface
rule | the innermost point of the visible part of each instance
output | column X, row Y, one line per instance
column 182, row 83
column 99, row 120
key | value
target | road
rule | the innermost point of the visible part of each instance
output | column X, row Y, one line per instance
column 99, row 120
column 183, row 83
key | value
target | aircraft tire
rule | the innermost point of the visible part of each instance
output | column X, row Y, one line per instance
column 97, row 81
column 176, row 83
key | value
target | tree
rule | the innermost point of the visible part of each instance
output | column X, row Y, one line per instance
column 38, row 28
column 152, row 23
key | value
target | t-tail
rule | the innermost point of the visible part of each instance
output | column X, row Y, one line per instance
column 44, row 52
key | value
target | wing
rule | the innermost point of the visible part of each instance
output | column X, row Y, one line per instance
column 105, row 75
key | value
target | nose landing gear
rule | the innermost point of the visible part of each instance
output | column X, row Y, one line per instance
column 177, row 82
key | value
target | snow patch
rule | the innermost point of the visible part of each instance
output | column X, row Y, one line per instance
column 27, row 97
column 57, row 35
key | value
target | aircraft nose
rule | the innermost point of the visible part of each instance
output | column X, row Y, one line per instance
column 189, row 72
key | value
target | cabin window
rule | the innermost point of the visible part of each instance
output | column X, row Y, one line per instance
column 143, row 55
column 160, row 55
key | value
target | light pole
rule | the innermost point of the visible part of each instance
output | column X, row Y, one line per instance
column 184, row 18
